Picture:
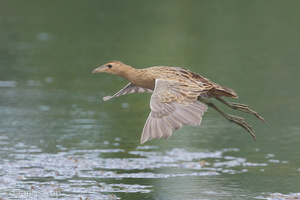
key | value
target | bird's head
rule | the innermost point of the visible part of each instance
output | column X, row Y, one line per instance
column 113, row 67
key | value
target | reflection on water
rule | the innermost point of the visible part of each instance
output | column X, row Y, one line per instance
column 8, row 83
column 71, row 151
column 278, row 196
column 75, row 173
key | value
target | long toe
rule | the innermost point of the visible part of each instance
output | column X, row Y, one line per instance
column 241, row 107
column 242, row 122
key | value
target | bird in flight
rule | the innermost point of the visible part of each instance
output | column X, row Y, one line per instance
column 178, row 97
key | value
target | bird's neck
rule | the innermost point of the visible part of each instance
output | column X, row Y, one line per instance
column 129, row 72
column 138, row 77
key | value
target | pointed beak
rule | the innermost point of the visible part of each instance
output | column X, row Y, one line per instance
column 99, row 69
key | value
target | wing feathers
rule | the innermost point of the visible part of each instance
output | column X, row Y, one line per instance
column 128, row 89
column 172, row 104
column 161, row 125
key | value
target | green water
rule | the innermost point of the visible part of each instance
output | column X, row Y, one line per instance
column 59, row 139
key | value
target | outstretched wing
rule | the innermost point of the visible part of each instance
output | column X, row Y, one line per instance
column 129, row 88
column 172, row 105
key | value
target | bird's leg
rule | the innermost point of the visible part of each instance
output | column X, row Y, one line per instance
column 240, row 107
column 235, row 119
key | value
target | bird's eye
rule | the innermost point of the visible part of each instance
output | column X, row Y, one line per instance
column 109, row 65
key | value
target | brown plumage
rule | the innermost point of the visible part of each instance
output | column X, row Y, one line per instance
column 176, row 97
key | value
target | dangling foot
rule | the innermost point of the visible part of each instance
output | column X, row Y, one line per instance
column 235, row 119
column 241, row 107
column 241, row 122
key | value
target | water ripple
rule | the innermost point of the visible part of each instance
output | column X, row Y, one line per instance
column 75, row 172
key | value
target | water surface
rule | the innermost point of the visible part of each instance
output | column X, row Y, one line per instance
column 59, row 139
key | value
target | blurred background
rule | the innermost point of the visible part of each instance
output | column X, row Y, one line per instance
column 60, row 139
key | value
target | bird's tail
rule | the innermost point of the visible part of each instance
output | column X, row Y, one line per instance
column 221, row 91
